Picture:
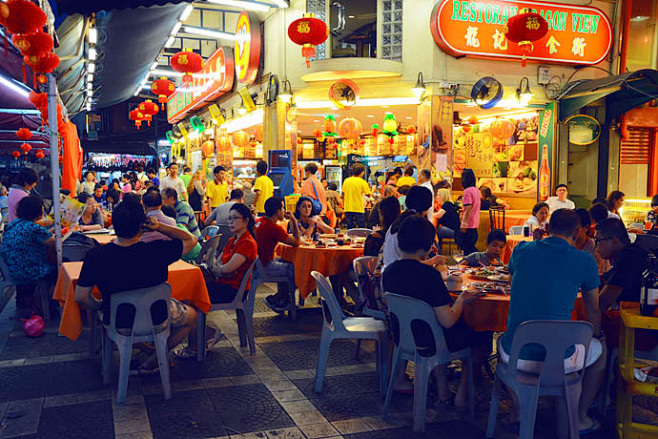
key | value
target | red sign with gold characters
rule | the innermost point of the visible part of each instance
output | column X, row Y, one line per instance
column 576, row 34
column 214, row 80
column 247, row 47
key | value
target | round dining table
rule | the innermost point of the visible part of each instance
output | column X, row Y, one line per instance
column 329, row 261
column 489, row 312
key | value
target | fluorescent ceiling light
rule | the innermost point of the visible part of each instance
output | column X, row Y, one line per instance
column 210, row 33
column 170, row 42
column 154, row 65
column 93, row 35
column 90, row 77
column 249, row 6
column 639, row 18
column 91, row 67
column 167, row 73
column 281, row 3
column 186, row 12
column 246, row 121
column 90, row 86
column 92, row 53
column 16, row 86
column 176, row 28
column 137, row 91
column 146, row 86
column 17, row 111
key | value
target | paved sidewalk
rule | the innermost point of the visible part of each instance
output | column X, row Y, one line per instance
column 51, row 387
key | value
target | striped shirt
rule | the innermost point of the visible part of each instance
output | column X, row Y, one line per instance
column 186, row 217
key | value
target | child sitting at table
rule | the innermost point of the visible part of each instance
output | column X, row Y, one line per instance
column 495, row 244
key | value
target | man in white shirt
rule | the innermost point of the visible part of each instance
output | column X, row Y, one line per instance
column 152, row 201
column 560, row 201
column 425, row 180
column 173, row 181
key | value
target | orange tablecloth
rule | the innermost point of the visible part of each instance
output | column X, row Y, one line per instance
column 185, row 279
column 328, row 261
column 489, row 312
column 102, row 239
column 510, row 243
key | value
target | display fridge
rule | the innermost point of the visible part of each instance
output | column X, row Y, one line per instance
column 334, row 174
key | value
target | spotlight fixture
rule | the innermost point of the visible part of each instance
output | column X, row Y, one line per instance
column 524, row 95
column 419, row 89
column 286, row 94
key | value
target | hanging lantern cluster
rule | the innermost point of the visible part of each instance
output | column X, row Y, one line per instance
column 40, row 101
column 149, row 109
column 162, row 88
column 308, row 32
column 187, row 62
column 350, row 128
column 525, row 28
column 390, row 127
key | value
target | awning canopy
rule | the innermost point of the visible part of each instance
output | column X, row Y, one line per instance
column 621, row 93
column 86, row 7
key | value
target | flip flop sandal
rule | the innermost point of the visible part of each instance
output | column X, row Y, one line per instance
column 596, row 425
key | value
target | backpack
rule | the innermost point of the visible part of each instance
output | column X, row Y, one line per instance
column 76, row 247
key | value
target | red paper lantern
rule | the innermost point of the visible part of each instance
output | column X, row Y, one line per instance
column 39, row 154
column 23, row 17
column 35, row 44
column 187, row 62
column 240, row 139
column 308, row 32
column 44, row 63
column 39, row 100
column 163, row 88
column 15, row 154
column 502, row 129
column 317, row 133
column 411, row 129
column 24, row 134
column 136, row 116
column 222, row 143
column 208, row 148
column 149, row 108
column 350, row 128
column 26, row 147
column 524, row 28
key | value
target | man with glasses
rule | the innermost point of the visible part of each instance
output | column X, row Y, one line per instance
column 268, row 235
column 623, row 281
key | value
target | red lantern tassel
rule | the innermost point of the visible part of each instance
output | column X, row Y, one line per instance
column 308, row 51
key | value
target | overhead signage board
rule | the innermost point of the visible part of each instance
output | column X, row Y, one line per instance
column 576, row 34
column 214, row 80
column 247, row 47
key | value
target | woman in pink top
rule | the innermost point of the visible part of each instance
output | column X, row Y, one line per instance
column 467, row 235
column 25, row 182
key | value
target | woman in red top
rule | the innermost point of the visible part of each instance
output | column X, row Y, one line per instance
column 238, row 255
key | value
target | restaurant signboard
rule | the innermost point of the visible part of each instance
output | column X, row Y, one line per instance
column 247, row 48
column 583, row 129
column 214, row 80
column 576, row 34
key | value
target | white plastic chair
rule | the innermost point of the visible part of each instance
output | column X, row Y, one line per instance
column 337, row 326
column 412, row 322
column 143, row 330
column 358, row 233
column 208, row 251
column 243, row 304
column 260, row 277
column 515, row 230
column 556, row 337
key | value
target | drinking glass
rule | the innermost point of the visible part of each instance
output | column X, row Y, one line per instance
column 458, row 256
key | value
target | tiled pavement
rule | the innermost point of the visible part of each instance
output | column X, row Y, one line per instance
column 51, row 387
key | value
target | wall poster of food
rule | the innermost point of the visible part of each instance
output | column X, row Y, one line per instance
column 502, row 154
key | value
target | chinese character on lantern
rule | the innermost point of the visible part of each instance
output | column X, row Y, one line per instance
column 304, row 27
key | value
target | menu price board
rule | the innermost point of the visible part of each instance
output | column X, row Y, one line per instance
column 576, row 34
column 506, row 166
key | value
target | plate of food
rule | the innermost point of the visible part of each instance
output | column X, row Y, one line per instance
column 328, row 236
column 499, row 278
column 480, row 273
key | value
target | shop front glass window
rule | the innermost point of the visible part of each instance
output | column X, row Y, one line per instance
column 642, row 43
column 353, row 28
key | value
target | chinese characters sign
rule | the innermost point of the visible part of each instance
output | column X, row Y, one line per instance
column 214, row 80
column 576, row 34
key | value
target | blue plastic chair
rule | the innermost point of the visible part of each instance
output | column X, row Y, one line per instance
column 556, row 337
column 410, row 320
column 143, row 330
column 338, row 326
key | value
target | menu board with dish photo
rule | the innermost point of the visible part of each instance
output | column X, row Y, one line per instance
column 502, row 154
